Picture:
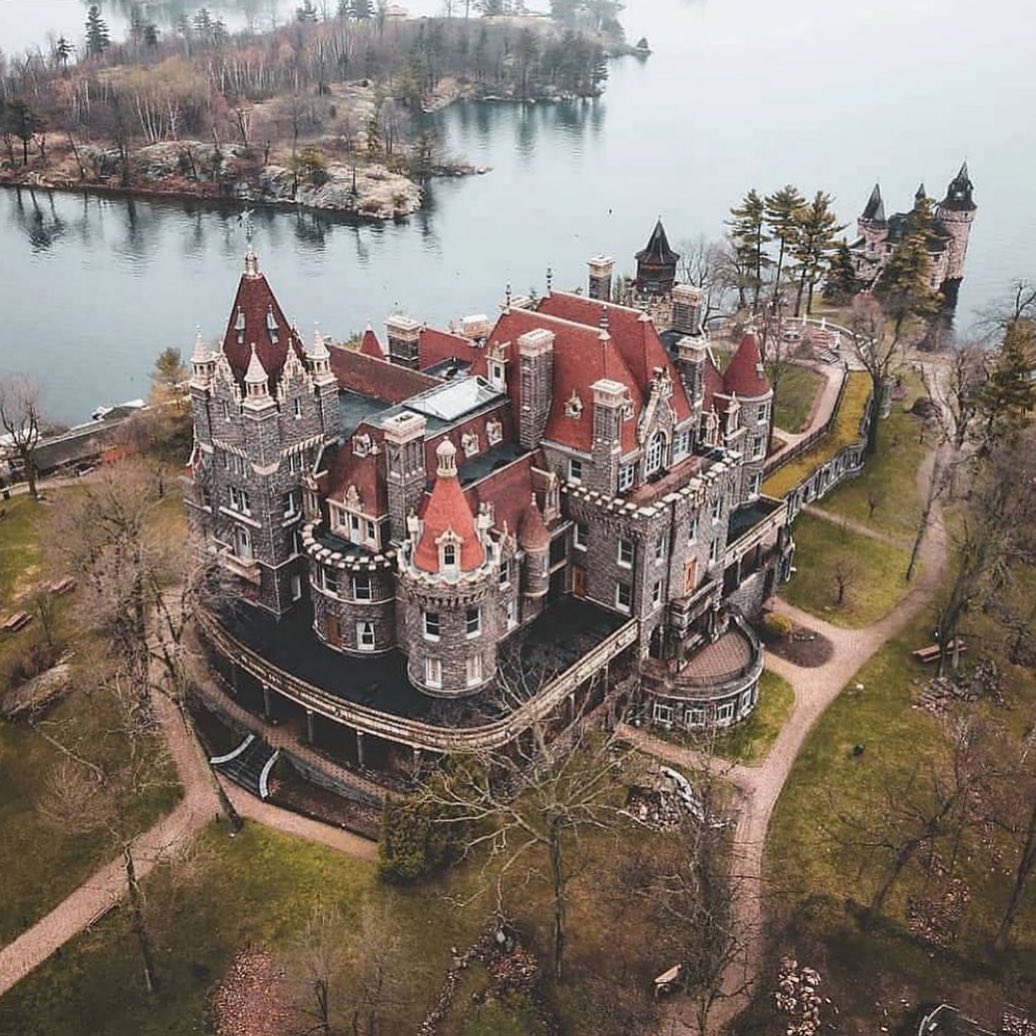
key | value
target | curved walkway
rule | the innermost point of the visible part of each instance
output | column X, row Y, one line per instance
column 198, row 807
column 760, row 785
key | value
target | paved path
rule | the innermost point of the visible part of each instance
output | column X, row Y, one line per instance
column 822, row 408
column 199, row 805
column 854, row 526
column 760, row 785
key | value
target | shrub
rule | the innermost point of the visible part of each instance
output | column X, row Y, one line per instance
column 776, row 626
column 417, row 840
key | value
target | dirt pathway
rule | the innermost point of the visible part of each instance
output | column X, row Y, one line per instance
column 854, row 526
column 760, row 786
column 198, row 807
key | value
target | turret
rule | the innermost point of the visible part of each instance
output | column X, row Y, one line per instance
column 656, row 264
column 535, row 542
column 746, row 383
column 257, row 386
column 956, row 212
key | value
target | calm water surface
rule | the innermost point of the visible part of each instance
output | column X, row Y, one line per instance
column 739, row 93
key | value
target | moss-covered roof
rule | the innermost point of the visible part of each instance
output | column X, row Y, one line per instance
column 845, row 430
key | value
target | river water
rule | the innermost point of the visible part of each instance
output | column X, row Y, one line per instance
column 739, row 93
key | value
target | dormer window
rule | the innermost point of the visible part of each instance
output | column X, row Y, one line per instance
column 469, row 444
column 239, row 325
column 574, row 406
column 361, row 445
column 496, row 375
column 297, row 408
column 449, row 555
column 271, row 324
column 494, row 432
column 655, row 453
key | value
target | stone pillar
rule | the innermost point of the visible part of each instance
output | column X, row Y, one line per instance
column 267, row 711
column 359, row 748
column 310, row 727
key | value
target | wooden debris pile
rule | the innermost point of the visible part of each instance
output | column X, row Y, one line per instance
column 798, row 996
column 936, row 918
column 1015, row 1022
column 249, row 1000
column 981, row 680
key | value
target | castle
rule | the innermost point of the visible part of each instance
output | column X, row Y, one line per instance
column 947, row 241
column 565, row 485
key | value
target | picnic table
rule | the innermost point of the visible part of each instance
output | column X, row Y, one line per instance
column 931, row 653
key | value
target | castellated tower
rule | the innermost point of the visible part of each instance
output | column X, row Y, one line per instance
column 449, row 583
column 956, row 212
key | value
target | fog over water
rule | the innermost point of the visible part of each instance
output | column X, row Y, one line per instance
column 739, row 93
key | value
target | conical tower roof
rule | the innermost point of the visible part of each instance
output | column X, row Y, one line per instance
column 534, row 535
column 448, row 511
column 745, row 375
column 959, row 193
column 657, row 249
column 874, row 210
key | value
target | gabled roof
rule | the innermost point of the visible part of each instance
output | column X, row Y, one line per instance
column 581, row 357
column 875, row 208
column 509, row 490
column 745, row 376
column 257, row 319
column 370, row 346
column 657, row 249
column 435, row 346
column 367, row 473
column 370, row 377
column 446, row 509
column 635, row 336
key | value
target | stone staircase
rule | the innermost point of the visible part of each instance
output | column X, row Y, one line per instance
column 249, row 765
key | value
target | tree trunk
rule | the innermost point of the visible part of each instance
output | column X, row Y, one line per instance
column 902, row 858
column 877, row 387
column 559, row 901
column 137, row 921
column 1026, row 865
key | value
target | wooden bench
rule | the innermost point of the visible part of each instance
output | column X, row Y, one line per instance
column 15, row 622
column 931, row 653
column 60, row 587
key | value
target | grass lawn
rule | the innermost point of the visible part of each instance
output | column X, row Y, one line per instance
column 845, row 429
column 260, row 888
column 874, row 573
column 814, row 868
column 750, row 742
column 889, row 478
column 19, row 549
column 794, row 398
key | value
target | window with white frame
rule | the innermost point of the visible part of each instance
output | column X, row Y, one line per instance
column 243, row 543
column 660, row 547
column 746, row 701
column 755, row 483
column 625, row 552
column 240, row 500
column 681, row 444
column 431, row 626
column 627, row 474
column 713, row 552
column 758, row 446
column 692, row 529
column 575, row 470
column 294, row 463
column 292, row 503
column 433, row 672
column 512, row 613
column 473, row 622
column 655, row 453
column 224, row 409
column 505, row 573
column 717, row 508
column 725, row 712
column 354, row 527
column 329, row 579
column 656, row 593
column 449, row 555
column 764, row 412
column 473, row 670
column 296, row 587
column 494, row 432
column 694, row 717
column 362, row 586
column 365, row 639
column 623, row 596
column 662, row 713
column 580, row 535
column 296, row 408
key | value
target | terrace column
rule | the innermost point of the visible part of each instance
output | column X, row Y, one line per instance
column 417, row 759
column 359, row 747
column 267, row 712
column 310, row 732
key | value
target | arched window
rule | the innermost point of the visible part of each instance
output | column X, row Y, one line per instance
column 244, row 543
column 449, row 555
column 655, row 453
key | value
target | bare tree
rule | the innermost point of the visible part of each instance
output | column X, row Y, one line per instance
column 954, row 389
column 706, row 265
column 20, row 419
column 1018, row 303
column 1020, row 823
column 95, row 789
column 880, row 349
column 539, row 796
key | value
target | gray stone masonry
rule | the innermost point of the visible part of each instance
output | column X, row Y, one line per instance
column 536, row 374
column 338, row 615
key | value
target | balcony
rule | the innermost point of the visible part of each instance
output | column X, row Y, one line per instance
column 243, row 568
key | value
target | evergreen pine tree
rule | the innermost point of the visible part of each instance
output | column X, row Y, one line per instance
column 841, row 284
column 98, row 38
column 749, row 238
column 904, row 286
column 63, row 50
column 784, row 209
column 1008, row 397
column 362, row 9
column 814, row 246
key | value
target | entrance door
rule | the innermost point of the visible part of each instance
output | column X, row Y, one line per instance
column 578, row 581
column 334, row 630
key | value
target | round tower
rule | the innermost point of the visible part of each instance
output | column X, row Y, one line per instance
column 745, row 381
column 448, row 576
column 956, row 213
column 535, row 542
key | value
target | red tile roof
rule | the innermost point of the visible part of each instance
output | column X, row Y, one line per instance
column 636, row 338
column 581, row 358
column 444, row 508
column 534, row 534
column 249, row 325
column 435, row 346
column 509, row 490
column 744, row 375
column 371, row 377
column 370, row 346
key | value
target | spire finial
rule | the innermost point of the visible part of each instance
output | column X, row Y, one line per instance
column 603, row 320
column 507, row 295
column 550, row 280
column 447, row 454
column 251, row 263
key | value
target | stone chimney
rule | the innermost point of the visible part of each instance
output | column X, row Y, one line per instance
column 687, row 306
column 403, row 341
column 536, row 374
column 600, row 285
